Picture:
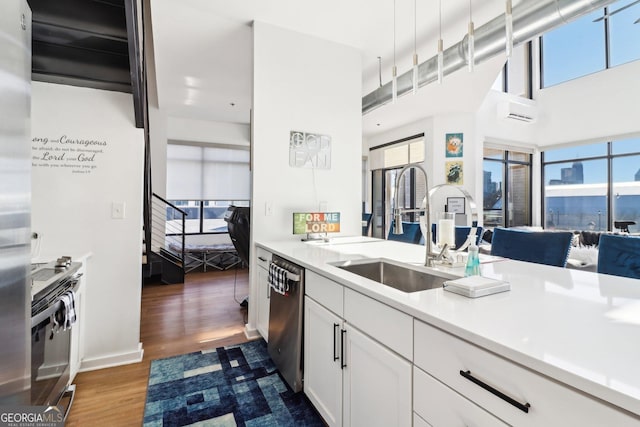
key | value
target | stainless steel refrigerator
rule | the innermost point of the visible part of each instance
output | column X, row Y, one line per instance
column 15, row 202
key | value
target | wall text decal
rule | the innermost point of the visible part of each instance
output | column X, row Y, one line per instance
column 77, row 155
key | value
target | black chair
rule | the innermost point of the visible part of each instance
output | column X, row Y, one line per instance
column 238, row 220
column 623, row 226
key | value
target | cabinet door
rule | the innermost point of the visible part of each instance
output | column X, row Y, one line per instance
column 77, row 344
column 264, row 292
column 322, row 368
column 377, row 384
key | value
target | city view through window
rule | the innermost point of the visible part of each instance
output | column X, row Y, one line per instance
column 578, row 194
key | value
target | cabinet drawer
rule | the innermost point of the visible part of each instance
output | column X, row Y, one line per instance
column 263, row 257
column 327, row 292
column 440, row 406
column 445, row 357
column 388, row 325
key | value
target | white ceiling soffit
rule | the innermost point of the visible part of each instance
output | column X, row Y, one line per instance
column 203, row 48
column 460, row 92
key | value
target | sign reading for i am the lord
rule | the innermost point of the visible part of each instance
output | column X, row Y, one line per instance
column 316, row 222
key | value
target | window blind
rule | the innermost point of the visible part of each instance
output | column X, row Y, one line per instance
column 207, row 173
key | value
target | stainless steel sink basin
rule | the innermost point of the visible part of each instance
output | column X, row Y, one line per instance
column 405, row 278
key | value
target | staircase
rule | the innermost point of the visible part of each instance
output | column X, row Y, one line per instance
column 163, row 258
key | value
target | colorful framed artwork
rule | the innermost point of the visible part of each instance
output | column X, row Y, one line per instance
column 454, row 172
column 454, row 144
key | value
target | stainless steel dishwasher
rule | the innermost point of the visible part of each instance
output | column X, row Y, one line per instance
column 285, row 324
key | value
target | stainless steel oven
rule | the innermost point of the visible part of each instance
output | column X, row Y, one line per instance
column 51, row 336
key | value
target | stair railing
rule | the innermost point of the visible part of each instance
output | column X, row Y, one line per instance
column 168, row 228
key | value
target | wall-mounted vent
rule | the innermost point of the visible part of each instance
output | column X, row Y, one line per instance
column 517, row 111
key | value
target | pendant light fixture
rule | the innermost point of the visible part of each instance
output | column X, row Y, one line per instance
column 394, row 80
column 471, row 41
column 415, row 49
column 440, row 46
column 508, row 18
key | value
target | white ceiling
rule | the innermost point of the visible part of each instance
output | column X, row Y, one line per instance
column 204, row 58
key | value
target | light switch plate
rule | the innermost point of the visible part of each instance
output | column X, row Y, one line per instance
column 117, row 210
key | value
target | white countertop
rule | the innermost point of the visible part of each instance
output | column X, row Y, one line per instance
column 577, row 327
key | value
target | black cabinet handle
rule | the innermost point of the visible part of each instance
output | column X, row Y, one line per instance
column 343, row 333
column 262, row 259
column 335, row 338
column 523, row 407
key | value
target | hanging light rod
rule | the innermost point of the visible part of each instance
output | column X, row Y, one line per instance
column 394, row 71
column 440, row 57
column 508, row 28
column 414, row 70
column 471, row 41
column 533, row 18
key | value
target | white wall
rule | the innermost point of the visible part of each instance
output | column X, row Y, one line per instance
column 307, row 84
column 435, row 129
column 72, row 211
column 592, row 108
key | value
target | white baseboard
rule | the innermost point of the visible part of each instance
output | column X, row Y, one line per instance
column 112, row 360
column 251, row 333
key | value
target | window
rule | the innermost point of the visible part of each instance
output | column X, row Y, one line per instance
column 386, row 161
column 515, row 77
column 624, row 36
column 204, row 182
column 593, row 188
column 602, row 39
column 506, row 176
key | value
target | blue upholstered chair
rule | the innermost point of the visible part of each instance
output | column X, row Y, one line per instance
column 619, row 255
column 461, row 234
column 411, row 234
column 541, row 247
column 366, row 223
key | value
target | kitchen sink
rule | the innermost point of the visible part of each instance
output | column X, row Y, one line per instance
column 405, row 278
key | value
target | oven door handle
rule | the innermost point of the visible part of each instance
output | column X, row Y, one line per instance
column 43, row 315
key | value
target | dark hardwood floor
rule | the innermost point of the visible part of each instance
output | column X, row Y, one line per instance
column 176, row 319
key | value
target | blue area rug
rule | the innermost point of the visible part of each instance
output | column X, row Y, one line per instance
column 228, row 386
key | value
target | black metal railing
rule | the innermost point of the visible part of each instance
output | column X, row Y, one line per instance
column 168, row 229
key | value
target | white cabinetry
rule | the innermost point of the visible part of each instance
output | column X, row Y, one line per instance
column 77, row 332
column 322, row 364
column 264, row 292
column 435, row 404
column 351, row 379
column 377, row 384
column 510, row 392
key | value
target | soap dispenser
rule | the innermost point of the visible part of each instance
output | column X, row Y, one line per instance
column 473, row 262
